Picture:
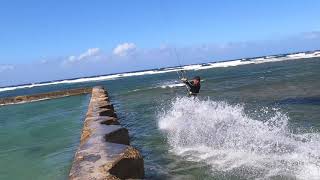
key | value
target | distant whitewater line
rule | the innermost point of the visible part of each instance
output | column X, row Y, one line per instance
column 237, row 62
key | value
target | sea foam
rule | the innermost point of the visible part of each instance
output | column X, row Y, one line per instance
column 227, row 139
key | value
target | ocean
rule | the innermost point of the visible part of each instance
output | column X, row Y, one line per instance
column 254, row 119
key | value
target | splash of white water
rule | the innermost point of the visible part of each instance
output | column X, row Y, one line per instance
column 227, row 139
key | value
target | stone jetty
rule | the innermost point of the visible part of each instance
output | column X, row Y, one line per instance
column 105, row 151
column 44, row 96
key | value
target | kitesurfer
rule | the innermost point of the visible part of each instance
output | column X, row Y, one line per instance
column 193, row 85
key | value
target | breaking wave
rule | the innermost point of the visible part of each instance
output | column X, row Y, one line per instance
column 170, row 84
column 162, row 85
column 195, row 67
column 69, row 81
column 87, row 79
column 227, row 139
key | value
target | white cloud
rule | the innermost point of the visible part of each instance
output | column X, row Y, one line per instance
column 6, row 67
column 124, row 49
column 90, row 53
column 44, row 61
column 312, row 35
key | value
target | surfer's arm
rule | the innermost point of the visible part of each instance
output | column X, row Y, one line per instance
column 188, row 83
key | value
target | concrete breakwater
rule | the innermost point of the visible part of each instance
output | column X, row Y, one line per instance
column 44, row 96
column 105, row 151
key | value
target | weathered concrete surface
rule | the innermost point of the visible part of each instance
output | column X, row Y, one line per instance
column 100, row 160
column 44, row 96
column 104, row 151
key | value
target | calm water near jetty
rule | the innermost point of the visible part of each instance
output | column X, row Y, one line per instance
column 38, row 140
column 250, row 121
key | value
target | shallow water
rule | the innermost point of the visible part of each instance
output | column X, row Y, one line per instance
column 256, row 121
column 38, row 140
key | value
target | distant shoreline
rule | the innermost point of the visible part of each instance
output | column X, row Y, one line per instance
column 120, row 74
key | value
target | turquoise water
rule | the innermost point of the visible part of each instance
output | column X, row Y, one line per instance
column 257, row 121
column 219, row 136
column 38, row 140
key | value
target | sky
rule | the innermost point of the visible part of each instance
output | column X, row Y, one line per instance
column 55, row 39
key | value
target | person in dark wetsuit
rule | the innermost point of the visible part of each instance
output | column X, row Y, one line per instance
column 193, row 85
